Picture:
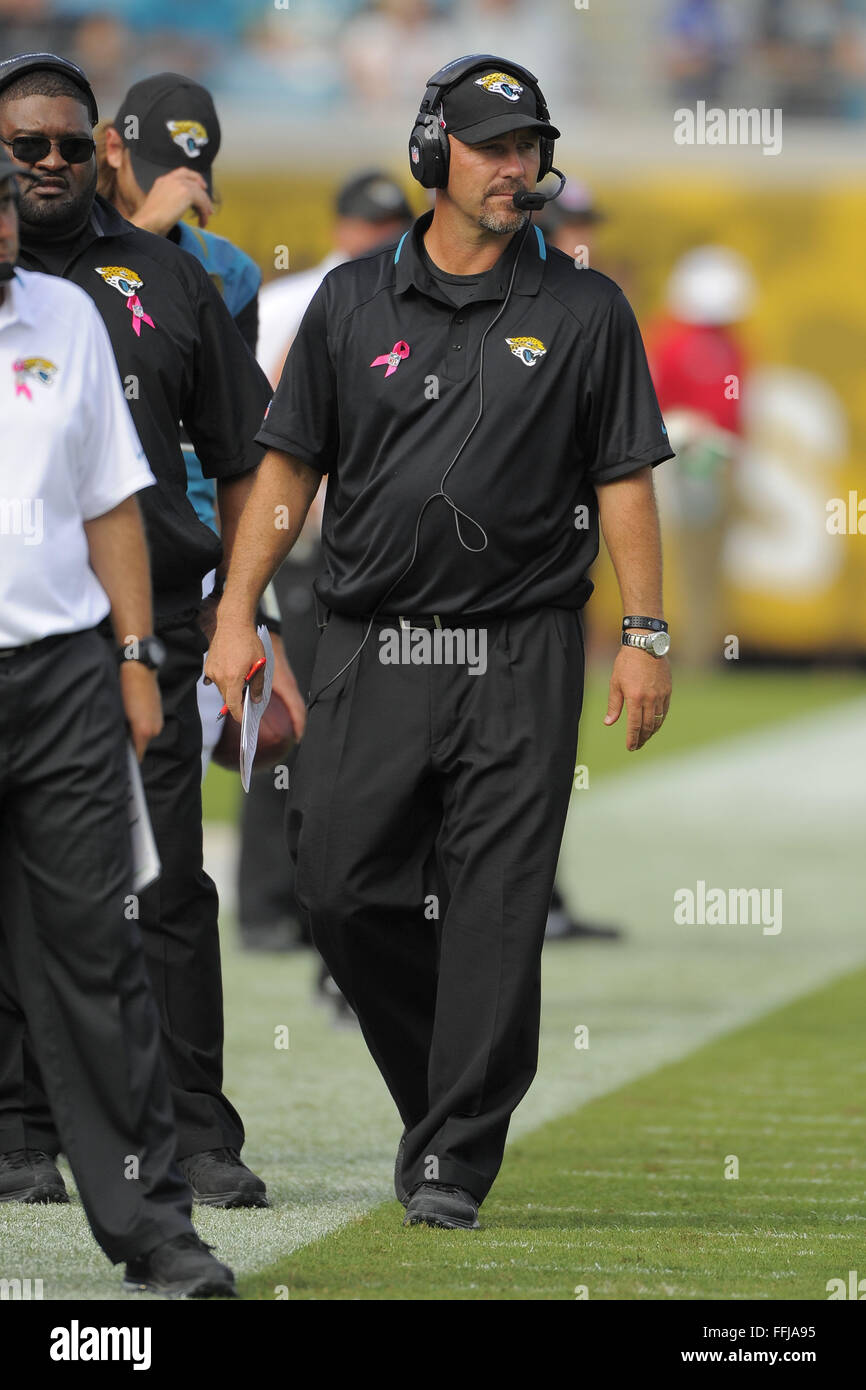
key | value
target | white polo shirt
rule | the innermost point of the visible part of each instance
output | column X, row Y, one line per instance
column 282, row 305
column 69, row 452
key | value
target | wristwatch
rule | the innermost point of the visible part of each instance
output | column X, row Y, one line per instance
column 150, row 651
column 656, row 643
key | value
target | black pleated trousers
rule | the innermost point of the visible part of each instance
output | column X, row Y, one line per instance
column 426, row 819
column 178, row 919
column 71, row 962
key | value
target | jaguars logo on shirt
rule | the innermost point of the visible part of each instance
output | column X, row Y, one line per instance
column 191, row 136
column 128, row 283
column 32, row 369
column 527, row 350
column 502, row 83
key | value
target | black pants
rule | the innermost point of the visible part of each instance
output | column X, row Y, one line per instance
column 426, row 820
column 71, row 961
column 179, row 928
column 266, row 876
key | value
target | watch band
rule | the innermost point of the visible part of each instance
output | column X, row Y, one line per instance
column 654, row 624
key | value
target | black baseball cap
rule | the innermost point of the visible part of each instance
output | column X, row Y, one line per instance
column 491, row 101
column 374, row 197
column 177, row 127
column 13, row 68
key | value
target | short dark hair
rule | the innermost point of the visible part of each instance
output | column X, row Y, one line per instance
column 43, row 83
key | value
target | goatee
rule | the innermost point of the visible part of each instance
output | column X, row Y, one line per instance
column 61, row 216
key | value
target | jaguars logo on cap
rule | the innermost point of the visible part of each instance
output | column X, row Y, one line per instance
column 528, row 350
column 191, row 136
column 502, row 83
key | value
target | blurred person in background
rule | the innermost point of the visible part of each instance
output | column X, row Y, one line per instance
column 698, row 370
column 701, row 47
column 182, row 361
column 155, row 165
column 570, row 222
column 386, row 50
column 371, row 210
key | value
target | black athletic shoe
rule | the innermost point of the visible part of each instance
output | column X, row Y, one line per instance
column 402, row 1194
column 434, row 1204
column 219, row 1179
column 29, row 1175
column 180, row 1268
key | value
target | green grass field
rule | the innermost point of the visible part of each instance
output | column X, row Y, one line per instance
column 627, row 1198
column 703, row 1045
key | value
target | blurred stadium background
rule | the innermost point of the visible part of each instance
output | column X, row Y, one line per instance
column 704, row 1041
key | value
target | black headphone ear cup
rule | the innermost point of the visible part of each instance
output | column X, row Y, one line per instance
column 545, row 163
column 430, row 142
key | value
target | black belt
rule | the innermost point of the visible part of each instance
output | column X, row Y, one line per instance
column 39, row 645
column 434, row 620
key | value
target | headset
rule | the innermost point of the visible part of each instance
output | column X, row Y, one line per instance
column 429, row 151
column 429, row 154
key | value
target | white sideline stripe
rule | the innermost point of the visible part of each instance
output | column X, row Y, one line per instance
column 777, row 807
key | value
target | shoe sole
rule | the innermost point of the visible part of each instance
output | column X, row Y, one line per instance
column 206, row 1288
column 29, row 1196
column 230, row 1200
column 444, row 1223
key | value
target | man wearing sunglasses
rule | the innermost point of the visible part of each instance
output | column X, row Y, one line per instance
column 180, row 359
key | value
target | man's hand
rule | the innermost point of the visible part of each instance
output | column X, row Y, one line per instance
column 286, row 687
column 142, row 704
column 644, row 683
column 170, row 196
column 235, row 649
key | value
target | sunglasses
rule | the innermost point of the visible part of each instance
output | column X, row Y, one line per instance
column 29, row 149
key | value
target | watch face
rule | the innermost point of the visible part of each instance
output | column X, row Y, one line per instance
column 660, row 643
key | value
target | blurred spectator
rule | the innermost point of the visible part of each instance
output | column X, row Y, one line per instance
column 701, row 47
column 370, row 210
column 569, row 223
column 390, row 52
column 698, row 369
column 800, row 44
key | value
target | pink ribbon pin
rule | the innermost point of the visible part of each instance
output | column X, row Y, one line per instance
column 138, row 314
column 21, row 387
column 393, row 358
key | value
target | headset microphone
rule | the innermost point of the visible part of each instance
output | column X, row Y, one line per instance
column 534, row 202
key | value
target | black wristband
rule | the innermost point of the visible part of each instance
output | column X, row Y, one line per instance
column 654, row 624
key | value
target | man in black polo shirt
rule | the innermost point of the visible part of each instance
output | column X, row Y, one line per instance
column 180, row 359
column 478, row 405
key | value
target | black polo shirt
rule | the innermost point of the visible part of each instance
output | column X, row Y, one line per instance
column 186, row 363
column 381, row 386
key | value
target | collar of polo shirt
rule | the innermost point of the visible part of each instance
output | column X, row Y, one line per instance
column 15, row 307
column 410, row 269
